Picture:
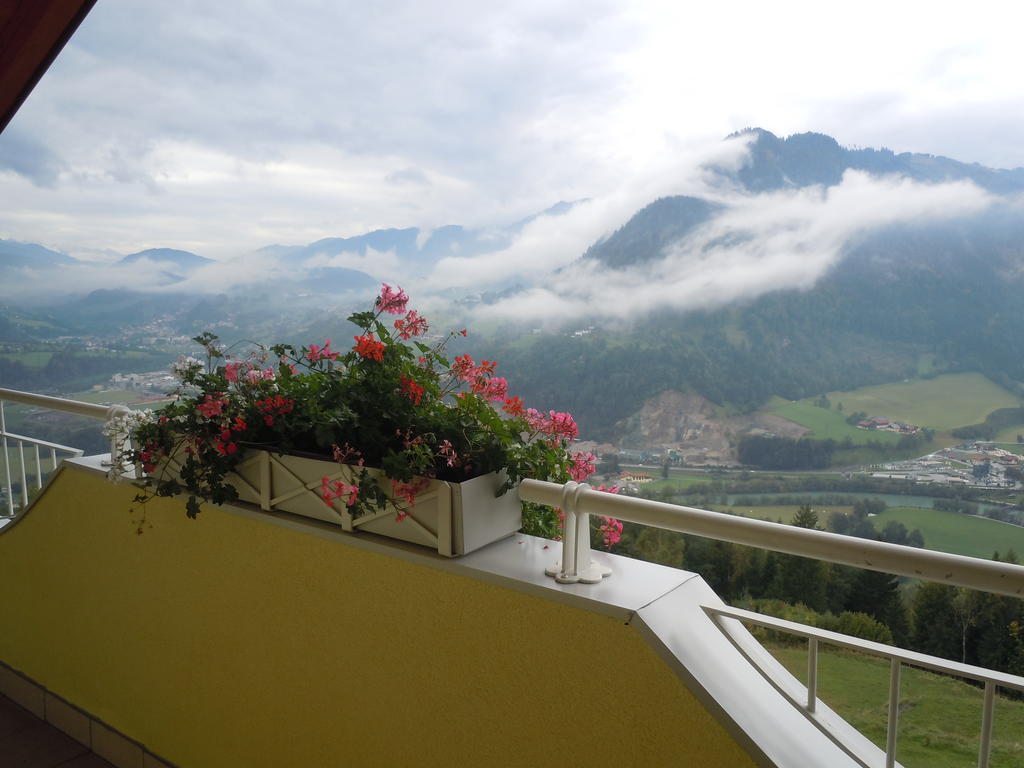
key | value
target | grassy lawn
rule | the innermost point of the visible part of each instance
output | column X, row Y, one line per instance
column 1009, row 435
column 825, row 423
column 31, row 359
column 945, row 402
column 956, row 533
column 105, row 396
column 848, row 457
column 775, row 513
column 940, row 717
column 678, row 479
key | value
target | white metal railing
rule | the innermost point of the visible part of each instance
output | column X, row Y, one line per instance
column 897, row 658
column 27, row 449
column 578, row 501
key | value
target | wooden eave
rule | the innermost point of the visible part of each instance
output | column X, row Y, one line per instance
column 32, row 33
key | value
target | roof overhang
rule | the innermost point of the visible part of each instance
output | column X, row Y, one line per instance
column 32, row 33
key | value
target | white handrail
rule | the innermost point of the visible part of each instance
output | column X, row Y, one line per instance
column 913, row 658
column 896, row 657
column 929, row 565
column 578, row 501
column 89, row 410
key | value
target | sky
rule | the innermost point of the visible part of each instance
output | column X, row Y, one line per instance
column 222, row 127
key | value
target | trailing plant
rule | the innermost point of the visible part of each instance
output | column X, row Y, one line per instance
column 390, row 401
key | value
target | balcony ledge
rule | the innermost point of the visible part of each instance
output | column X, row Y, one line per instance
column 663, row 605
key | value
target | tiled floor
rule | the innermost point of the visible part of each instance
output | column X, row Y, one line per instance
column 28, row 742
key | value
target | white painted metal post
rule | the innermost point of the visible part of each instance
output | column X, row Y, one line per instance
column 39, row 468
column 24, row 475
column 812, row 673
column 564, row 569
column 894, row 713
column 576, row 564
column 987, row 713
column 7, row 462
column 118, row 443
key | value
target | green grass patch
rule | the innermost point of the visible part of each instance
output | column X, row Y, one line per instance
column 1009, row 435
column 825, row 423
column 925, row 363
column 956, row 533
column 945, row 402
column 105, row 396
column 864, row 455
column 940, row 717
column 31, row 359
column 678, row 479
column 776, row 513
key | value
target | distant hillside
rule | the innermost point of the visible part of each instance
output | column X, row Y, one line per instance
column 181, row 259
column 814, row 158
column 646, row 234
column 21, row 255
column 950, row 293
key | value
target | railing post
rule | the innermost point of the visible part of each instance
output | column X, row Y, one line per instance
column 894, row 713
column 7, row 462
column 576, row 565
column 812, row 673
column 39, row 468
column 119, row 443
column 985, row 747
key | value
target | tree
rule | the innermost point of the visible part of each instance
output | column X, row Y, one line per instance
column 806, row 517
column 895, row 532
column 935, row 622
column 877, row 594
column 967, row 604
column 801, row 579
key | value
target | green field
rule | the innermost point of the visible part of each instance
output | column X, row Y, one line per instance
column 825, row 423
column 940, row 717
column 105, row 396
column 956, row 533
column 33, row 359
column 945, row 402
column 776, row 513
column 1009, row 435
column 678, row 479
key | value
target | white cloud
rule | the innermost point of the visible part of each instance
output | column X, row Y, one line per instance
column 758, row 244
column 383, row 265
column 218, row 129
column 551, row 242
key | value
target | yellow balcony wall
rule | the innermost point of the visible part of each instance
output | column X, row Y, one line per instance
column 235, row 640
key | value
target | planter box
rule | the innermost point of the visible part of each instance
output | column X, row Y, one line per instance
column 453, row 518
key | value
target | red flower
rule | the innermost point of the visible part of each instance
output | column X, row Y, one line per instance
column 514, row 406
column 407, row 492
column 321, row 353
column 369, row 347
column 411, row 325
column 411, row 389
column 271, row 407
column 212, row 405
